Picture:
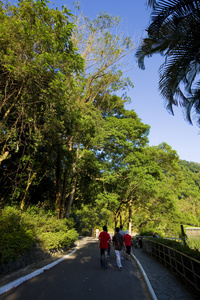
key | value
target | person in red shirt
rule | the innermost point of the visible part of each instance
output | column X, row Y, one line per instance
column 127, row 240
column 104, row 239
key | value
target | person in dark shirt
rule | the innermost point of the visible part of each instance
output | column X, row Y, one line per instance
column 121, row 231
column 118, row 242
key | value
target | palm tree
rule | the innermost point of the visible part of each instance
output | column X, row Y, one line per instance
column 174, row 32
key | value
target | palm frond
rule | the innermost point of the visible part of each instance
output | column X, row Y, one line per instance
column 174, row 32
column 152, row 3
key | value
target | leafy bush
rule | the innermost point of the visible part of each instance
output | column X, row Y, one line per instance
column 53, row 237
column 15, row 238
column 19, row 232
column 85, row 232
column 89, row 217
column 147, row 232
column 194, row 243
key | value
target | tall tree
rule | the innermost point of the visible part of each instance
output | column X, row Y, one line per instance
column 189, row 193
column 125, row 135
column 134, row 173
column 38, row 63
column 104, row 54
column 155, row 195
column 174, row 33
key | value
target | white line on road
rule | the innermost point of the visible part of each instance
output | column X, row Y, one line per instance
column 22, row 279
column 151, row 291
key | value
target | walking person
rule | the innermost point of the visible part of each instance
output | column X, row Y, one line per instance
column 121, row 231
column 104, row 240
column 127, row 241
column 109, row 246
column 96, row 232
column 118, row 242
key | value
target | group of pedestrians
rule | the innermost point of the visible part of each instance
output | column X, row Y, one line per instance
column 121, row 242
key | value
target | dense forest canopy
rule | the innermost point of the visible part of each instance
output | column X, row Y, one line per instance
column 67, row 143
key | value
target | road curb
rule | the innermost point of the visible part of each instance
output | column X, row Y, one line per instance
column 22, row 279
column 147, row 282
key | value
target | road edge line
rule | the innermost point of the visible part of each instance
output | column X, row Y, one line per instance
column 146, row 279
column 22, row 279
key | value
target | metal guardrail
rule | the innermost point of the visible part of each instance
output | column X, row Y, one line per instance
column 186, row 268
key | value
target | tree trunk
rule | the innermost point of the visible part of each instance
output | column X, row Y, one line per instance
column 3, row 156
column 130, row 218
column 71, row 195
column 115, row 222
column 74, row 179
column 58, row 183
column 30, row 180
column 120, row 219
column 63, row 196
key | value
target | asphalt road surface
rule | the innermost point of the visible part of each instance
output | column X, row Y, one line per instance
column 81, row 277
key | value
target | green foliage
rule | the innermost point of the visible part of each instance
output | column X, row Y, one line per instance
column 179, row 247
column 194, row 243
column 37, row 71
column 66, row 138
column 59, row 73
column 176, row 195
column 57, row 238
column 89, row 217
column 19, row 232
column 189, row 193
column 146, row 232
column 51, row 232
column 16, row 237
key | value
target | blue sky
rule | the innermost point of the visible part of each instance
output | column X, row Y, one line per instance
column 146, row 101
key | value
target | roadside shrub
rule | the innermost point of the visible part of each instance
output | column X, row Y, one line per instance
column 85, row 232
column 194, row 243
column 21, row 231
column 56, row 240
column 15, row 238
column 146, row 232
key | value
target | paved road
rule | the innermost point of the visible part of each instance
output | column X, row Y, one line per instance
column 80, row 277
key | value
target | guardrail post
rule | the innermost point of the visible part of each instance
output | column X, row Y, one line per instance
column 183, row 235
